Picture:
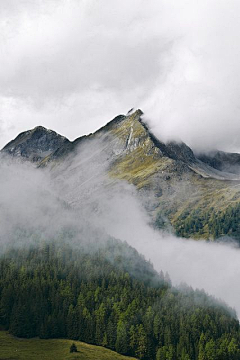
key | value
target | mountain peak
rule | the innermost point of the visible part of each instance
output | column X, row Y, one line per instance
column 136, row 113
column 34, row 144
column 40, row 127
column 174, row 150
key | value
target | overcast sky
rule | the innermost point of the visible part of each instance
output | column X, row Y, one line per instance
column 72, row 65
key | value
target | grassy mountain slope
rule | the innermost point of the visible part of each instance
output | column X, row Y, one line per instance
column 12, row 348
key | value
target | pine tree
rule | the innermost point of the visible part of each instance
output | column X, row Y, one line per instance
column 201, row 351
column 122, row 341
column 233, row 351
column 73, row 348
column 141, row 349
column 210, row 350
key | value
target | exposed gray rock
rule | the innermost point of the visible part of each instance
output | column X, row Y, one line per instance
column 35, row 144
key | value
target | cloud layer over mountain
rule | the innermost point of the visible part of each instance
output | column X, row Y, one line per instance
column 72, row 65
column 37, row 205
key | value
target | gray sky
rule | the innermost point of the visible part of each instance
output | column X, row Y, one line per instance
column 72, row 65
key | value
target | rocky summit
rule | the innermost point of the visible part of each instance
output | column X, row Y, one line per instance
column 35, row 144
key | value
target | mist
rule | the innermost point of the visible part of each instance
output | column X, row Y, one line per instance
column 79, row 197
column 32, row 211
column 73, row 65
column 211, row 266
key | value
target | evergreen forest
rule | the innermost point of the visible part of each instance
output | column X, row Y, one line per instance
column 114, row 298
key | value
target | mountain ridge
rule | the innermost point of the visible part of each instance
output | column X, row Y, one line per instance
column 165, row 149
column 181, row 189
column 49, row 149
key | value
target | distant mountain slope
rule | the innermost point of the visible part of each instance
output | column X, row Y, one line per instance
column 196, row 195
column 222, row 161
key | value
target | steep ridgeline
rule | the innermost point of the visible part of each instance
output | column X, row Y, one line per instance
column 195, row 195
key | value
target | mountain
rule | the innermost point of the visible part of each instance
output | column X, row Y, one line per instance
column 63, row 272
column 35, row 144
column 191, row 194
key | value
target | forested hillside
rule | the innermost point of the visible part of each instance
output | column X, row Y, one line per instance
column 55, row 291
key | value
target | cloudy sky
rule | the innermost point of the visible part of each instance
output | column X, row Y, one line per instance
column 72, row 65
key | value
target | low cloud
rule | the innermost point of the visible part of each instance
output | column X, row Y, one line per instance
column 213, row 267
column 77, row 195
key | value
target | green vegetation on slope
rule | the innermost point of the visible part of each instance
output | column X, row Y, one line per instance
column 217, row 223
column 12, row 348
column 54, row 291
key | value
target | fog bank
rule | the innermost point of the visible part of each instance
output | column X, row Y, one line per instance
column 79, row 196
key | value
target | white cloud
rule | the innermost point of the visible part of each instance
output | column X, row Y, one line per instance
column 72, row 65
